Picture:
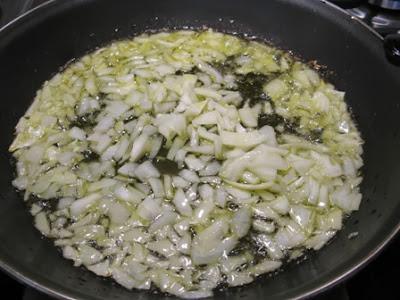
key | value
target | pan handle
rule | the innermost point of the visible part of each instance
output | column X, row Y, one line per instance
column 391, row 44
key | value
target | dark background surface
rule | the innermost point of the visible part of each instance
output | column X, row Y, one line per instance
column 379, row 280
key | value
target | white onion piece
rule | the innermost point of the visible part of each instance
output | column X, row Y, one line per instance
column 263, row 226
column 241, row 222
column 265, row 266
column 136, row 235
column 175, row 147
column 170, row 125
column 35, row 209
column 189, row 175
column 206, row 192
column 109, row 153
column 202, row 211
column 124, row 279
column 320, row 239
column 88, row 255
column 220, row 197
column 209, row 118
column 269, row 134
column 346, row 199
column 71, row 253
column 101, row 269
column 231, row 263
column 301, row 215
column 248, row 117
column 81, row 205
column 146, row 170
column 211, row 180
column 87, row 105
column 182, row 227
column 211, row 169
column 89, row 232
column 118, row 213
column 237, row 193
column 102, row 184
column 194, row 163
column 34, row 154
column 289, row 236
column 142, row 187
column 250, row 178
column 122, row 148
column 323, row 197
column 77, row 134
column 65, row 202
column 165, row 218
column 168, row 189
column 180, row 183
column 116, row 108
column 264, row 210
column 215, row 231
column 214, row 74
column 273, row 248
column 184, row 244
column 191, row 192
column 42, row 224
column 163, row 247
column 128, row 169
column 242, row 140
column 135, row 269
column 331, row 221
column 280, row 205
column 139, row 147
column 203, row 253
column 20, row 182
column 129, row 194
column 329, row 169
column 157, row 187
column 149, row 208
column 201, row 149
column 104, row 124
column 155, row 147
column 238, row 278
column 181, row 203
column 101, row 142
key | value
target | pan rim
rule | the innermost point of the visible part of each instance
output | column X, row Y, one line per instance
column 329, row 283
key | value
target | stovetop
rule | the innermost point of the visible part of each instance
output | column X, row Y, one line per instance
column 383, row 20
column 376, row 281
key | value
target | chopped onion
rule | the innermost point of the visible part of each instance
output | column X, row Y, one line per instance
column 81, row 205
column 146, row 170
column 118, row 213
column 241, row 222
column 153, row 161
column 88, row 255
column 101, row 269
column 242, row 139
column 182, row 203
column 42, row 224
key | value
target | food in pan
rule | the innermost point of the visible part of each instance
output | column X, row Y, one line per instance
column 187, row 161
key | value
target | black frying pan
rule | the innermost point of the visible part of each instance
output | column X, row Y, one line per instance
column 36, row 45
